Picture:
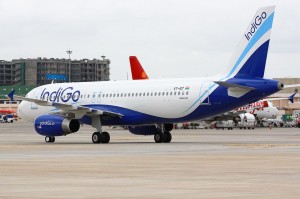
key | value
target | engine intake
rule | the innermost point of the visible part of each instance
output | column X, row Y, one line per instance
column 55, row 125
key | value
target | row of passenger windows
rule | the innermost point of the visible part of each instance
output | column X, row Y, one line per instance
column 139, row 94
column 129, row 94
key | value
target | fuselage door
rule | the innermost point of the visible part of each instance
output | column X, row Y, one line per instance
column 204, row 93
column 36, row 95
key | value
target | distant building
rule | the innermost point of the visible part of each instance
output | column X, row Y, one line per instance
column 40, row 71
column 7, row 73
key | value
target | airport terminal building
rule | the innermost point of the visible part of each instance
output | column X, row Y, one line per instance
column 25, row 74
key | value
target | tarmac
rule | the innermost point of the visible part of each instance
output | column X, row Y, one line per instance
column 260, row 163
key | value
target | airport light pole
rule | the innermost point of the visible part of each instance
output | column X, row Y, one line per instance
column 69, row 52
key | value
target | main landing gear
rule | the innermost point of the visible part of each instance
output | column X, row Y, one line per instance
column 163, row 134
column 165, row 137
column 99, row 136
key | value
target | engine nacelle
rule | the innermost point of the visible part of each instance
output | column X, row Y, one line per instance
column 247, row 117
column 55, row 125
column 143, row 130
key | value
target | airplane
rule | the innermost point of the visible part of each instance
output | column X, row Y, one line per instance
column 152, row 107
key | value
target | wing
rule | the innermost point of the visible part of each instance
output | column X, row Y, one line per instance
column 65, row 109
column 226, row 116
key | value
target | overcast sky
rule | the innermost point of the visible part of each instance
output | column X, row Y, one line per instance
column 171, row 38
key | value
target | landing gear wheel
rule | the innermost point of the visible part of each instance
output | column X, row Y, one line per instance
column 167, row 137
column 97, row 137
column 158, row 137
column 49, row 139
column 106, row 137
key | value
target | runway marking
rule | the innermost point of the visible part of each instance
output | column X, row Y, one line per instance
column 261, row 145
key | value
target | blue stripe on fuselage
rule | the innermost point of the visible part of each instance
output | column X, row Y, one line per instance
column 220, row 103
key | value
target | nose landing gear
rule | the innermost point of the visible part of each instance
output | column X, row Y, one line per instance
column 98, row 137
column 49, row 139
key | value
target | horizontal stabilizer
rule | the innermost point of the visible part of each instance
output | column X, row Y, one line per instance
column 235, row 90
column 291, row 86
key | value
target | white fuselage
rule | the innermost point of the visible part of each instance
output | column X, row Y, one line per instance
column 172, row 98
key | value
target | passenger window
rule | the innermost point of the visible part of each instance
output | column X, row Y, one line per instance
column 155, row 94
column 147, row 94
column 121, row 94
column 118, row 95
column 151, row 94
column 140, row 94
column 163, row 93
column 88, row 96
column 110, row 95
column 158, row 93
column 124, row 94
column 144, row 94
column 178, row 92
column 114, row 95
column 136, row 94
column 128, row 94
column 167, row 93
column 174, row 92
column 187, row 93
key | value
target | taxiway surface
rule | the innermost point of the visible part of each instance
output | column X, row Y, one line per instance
column 259, row 163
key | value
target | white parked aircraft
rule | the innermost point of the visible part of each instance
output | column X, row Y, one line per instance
column 151, row 107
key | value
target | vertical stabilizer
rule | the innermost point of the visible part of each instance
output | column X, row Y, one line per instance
column 249, row 59
column 137, row 71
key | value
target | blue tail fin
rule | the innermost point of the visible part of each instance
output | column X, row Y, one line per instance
column 291, row 98
column 249, row 59
column 11, row 95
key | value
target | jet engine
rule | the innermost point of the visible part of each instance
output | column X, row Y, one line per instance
column 55, row 125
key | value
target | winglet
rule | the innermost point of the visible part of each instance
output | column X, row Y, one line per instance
column 291, row 98
column 11, row 95
column 137, row 71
